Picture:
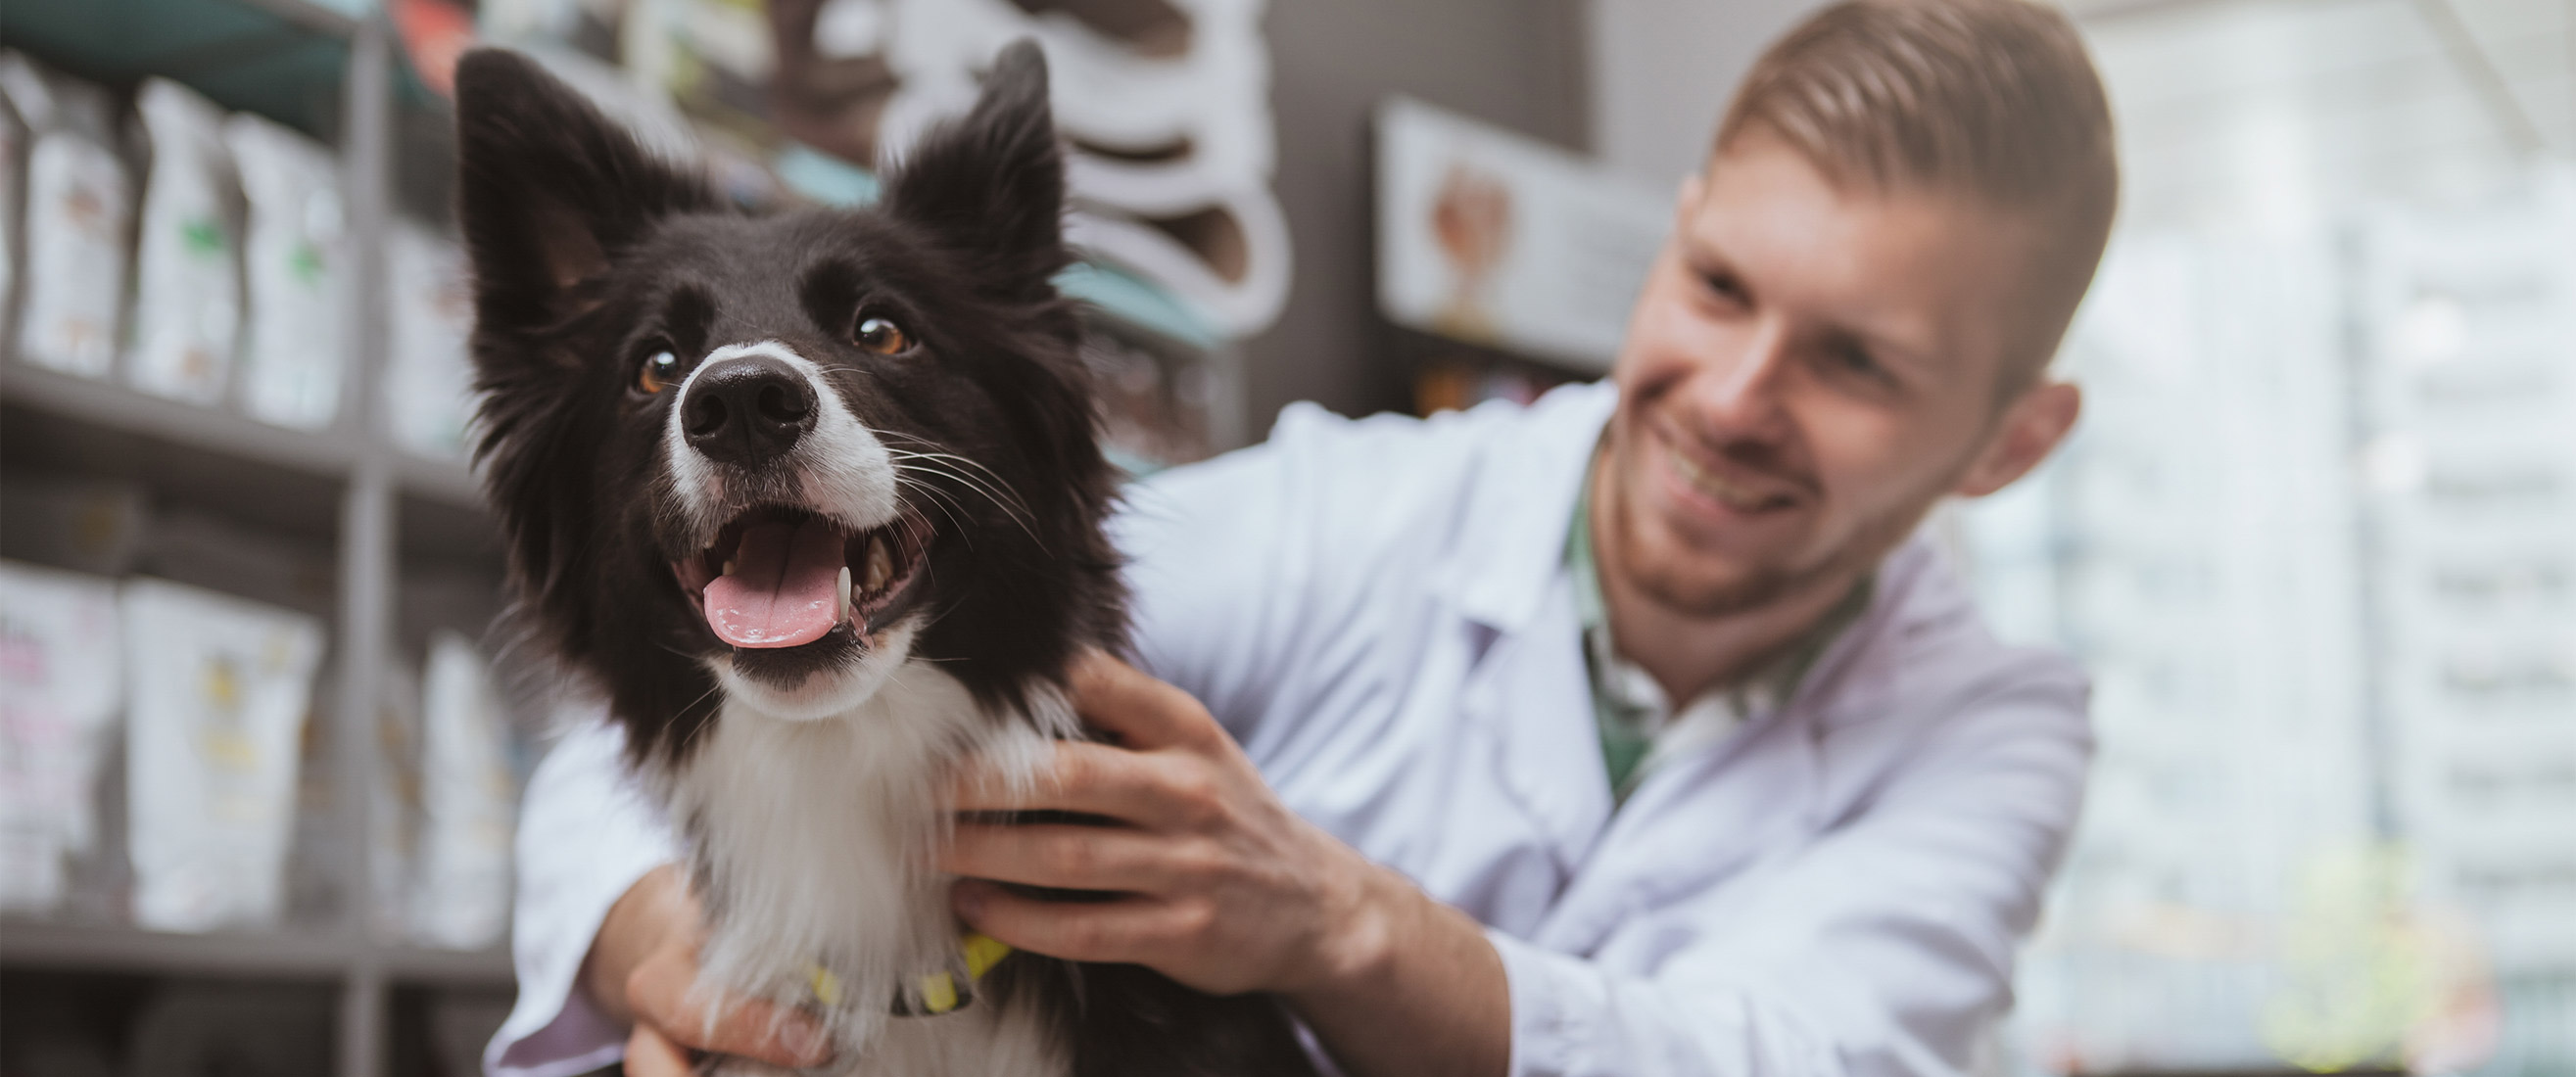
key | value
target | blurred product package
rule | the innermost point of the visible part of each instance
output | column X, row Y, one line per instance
column 187, row 297
column 292, row 354
column 461, row 899
column 219, row 689
column 429, row 390
column 79, row 207
column 59, row 687
column 13, row 163
column 393, row 820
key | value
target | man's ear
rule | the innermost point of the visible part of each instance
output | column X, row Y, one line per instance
column 548, row 188
column 2031, row 428
column 991, row 184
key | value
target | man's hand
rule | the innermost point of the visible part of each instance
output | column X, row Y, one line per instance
column 1221, row 887
column 641, row 968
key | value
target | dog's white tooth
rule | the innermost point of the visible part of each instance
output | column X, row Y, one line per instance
column 880, row 566
column 728, row 568
column 842, row 596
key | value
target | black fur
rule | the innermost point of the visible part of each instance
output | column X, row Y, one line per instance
column 590, row 255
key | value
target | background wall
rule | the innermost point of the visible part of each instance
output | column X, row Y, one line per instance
column 1662, row 71
column 1518, row 63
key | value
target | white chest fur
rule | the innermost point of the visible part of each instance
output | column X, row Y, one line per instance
column 812, row 842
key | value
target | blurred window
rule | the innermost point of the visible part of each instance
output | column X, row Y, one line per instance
column 2316, row 540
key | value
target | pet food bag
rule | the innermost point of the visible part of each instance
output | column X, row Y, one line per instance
column 13, row 149
column 187, row 296
column 429, row 389
column 468, row 799
column 218, row 689
column 59, row 691
column 297, row 263
column 78, row 209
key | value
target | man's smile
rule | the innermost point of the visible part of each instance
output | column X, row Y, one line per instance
column 1722, row 488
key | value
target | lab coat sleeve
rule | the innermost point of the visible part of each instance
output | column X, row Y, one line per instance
column 1214, row 578
column 1882, row 950
column 1257, row 579
column 586, row 833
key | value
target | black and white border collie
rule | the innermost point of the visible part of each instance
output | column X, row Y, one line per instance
column 814, row 501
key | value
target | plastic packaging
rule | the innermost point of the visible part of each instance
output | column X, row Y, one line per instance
column 13, row 149
column 468, row 800
column 429, row 390
column 59, row 692
column 187, row 299
column 219, row 691
column 296, row 265
column 79, row 209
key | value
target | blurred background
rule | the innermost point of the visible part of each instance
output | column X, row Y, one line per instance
column 2315, row 537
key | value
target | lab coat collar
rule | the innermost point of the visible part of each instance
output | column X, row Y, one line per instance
column 1502, row 574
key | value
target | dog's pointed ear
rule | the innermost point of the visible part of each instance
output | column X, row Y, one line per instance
column 548, row 188
column 992, row 182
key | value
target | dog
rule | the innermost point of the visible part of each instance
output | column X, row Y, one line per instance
column 815, row 501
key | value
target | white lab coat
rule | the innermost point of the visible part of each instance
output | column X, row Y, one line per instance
column 1380, row 612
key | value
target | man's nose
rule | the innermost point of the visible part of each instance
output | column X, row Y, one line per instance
column 1740, row 395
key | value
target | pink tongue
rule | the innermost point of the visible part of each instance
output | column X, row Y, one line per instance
column 781, row 590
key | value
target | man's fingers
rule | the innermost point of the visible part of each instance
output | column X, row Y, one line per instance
column 652, row 1054
column 1131, row 930
column 1092, row 779
column 1145, row 713
column 661, row 993
column 1065, row 856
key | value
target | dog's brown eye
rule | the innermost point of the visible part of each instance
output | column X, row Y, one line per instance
column 881, row 336
column 660, row 369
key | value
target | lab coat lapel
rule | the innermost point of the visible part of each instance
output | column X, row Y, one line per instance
column 1762, row 792
column 1698, row 818
column 1531, row 696
column 1528, row 691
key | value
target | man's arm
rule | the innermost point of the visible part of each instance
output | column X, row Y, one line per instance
column 1877, row 949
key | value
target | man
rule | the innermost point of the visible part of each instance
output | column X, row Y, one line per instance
column 1623, row 734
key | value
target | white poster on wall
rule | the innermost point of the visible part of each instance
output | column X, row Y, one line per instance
column 1495, row 238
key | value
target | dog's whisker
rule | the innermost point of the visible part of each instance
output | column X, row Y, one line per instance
column 1018, row 513
column 991, row 488
column 919, row 530
column 988, row 473
column 1009, row 504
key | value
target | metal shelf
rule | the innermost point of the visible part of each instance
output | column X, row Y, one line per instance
column 290, row 955
column 117, row 407
column 333, row 452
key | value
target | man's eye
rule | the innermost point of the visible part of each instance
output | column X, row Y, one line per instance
column 880, row 336
column 1724, row 288
column 1852, row 360
column 659, row 371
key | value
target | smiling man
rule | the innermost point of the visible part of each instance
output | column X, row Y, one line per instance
column 1628, row 733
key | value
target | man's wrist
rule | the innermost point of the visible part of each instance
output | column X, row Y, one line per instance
column 635, row 926
column 1405, row 985
column 1363, row 918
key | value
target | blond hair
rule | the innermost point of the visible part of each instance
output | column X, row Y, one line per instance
column 1993, row 99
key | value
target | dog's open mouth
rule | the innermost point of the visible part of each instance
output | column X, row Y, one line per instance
column 786, row 577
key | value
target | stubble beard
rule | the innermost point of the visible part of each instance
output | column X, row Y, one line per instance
column 1669, row 583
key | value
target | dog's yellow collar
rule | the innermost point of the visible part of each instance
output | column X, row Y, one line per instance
column 937, row 992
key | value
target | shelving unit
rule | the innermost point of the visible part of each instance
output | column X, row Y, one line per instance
column 332, row 75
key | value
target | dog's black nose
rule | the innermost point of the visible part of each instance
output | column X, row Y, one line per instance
column 747, row 410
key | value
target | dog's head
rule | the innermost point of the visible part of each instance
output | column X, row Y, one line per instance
column 782, row 454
